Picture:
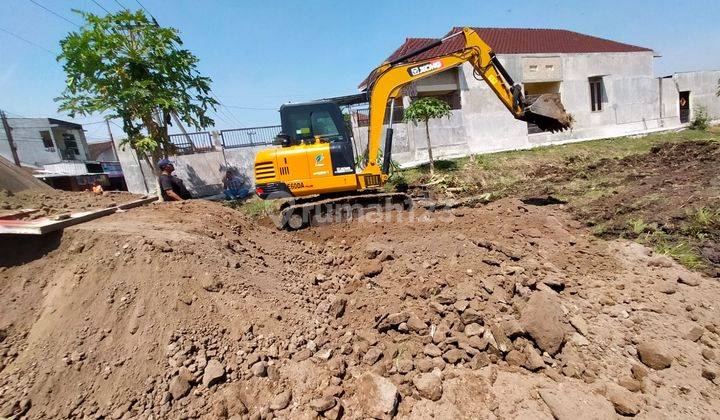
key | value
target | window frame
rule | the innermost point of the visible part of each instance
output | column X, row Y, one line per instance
column 596, row 93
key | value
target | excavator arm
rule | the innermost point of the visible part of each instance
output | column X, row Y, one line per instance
column 387, row 81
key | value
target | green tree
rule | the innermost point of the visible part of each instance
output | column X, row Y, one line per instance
column 129, row 67
column 425, row 109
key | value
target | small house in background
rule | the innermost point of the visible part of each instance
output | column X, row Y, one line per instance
column 609, row 87
column 59, row 154
column 40, row 141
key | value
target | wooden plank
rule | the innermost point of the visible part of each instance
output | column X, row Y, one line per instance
column 43, row 226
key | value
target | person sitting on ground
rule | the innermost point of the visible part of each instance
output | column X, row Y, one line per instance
column 171, row 187
column 234, row 186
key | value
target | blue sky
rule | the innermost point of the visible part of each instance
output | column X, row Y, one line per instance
column 261, row 54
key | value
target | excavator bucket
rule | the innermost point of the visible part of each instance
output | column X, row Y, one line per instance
column 547, row 112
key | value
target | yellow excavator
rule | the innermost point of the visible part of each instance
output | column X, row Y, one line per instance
column 314, row 163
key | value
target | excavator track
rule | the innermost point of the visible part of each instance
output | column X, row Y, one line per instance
column 294, row 215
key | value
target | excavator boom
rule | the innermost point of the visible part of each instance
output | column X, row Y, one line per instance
column 386, row 82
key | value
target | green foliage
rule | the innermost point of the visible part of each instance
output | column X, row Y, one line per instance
column 424, row 109
column 682, row 252
column 125, row 65
column 700, row 118
column 637, row 226
column 253, row 207
column 701, row 222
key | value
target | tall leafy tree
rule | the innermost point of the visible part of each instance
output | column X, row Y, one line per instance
column 129, row 67
column 423, row 110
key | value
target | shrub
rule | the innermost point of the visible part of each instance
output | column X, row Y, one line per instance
column 700, row 118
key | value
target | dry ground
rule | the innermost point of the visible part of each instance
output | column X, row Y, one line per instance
column 505, row 310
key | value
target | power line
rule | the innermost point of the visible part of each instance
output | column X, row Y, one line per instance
column 54, row 13
column 27, row 41
column 146, row 10
column 121, row 5
column 100, row 6
column 250, row 107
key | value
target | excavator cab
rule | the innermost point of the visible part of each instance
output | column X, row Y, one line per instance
column 320, row 122
column 315, row 154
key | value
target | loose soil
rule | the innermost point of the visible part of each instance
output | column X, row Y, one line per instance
column 507, row 310
column 662, row 191
column 53, row 202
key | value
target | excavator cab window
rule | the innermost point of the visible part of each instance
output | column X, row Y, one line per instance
column 305, row 121
column 324, row 126
column 300, row 124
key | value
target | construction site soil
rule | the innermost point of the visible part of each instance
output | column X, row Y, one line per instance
column 51, row 202
column 505, row 310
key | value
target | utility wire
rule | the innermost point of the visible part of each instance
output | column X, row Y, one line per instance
column 121, row 5
column 250, row 107
column 27, row 41
column 54, row 13
column 100, row 6
column 146, row 10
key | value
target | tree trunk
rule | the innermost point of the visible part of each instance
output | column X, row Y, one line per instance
column 430, row 156
column 155, row 132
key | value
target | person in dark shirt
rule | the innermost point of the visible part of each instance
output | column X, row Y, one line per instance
column 172, row 188
column 234, row 186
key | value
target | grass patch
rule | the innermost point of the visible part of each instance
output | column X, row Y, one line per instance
column 701, row 222
column 253, row 207
column 638, row 226
column 683, row 252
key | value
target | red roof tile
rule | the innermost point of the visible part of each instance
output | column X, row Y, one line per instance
column 518, row 41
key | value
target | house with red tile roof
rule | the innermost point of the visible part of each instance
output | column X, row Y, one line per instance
column 609, row 87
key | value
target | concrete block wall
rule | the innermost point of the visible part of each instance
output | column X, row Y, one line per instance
column 201, row 172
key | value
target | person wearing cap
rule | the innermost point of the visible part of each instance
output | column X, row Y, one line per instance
column 171, row 187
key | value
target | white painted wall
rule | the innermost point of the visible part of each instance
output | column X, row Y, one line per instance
column 703, row 87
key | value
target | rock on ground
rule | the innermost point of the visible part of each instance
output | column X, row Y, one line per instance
column 281, row 400
column 566, row 402
column 653, row 355
column 375, row 396
column 624, row 401
column 542, row 318
column 429, row 385
column 214, row 371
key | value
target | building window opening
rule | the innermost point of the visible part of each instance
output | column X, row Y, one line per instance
column 596, row 94
column 71, row 146
column 47, row 140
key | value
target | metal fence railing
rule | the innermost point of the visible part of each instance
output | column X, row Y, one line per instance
column 189, row 143
column 246, row 137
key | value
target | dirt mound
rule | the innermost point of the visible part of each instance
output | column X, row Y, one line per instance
column 188, row 309
column 51, row 202
column 15, row 179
